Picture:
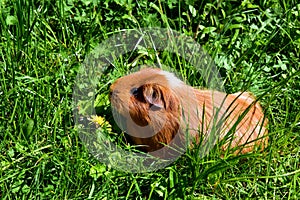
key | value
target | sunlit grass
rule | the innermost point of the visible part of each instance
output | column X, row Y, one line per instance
column 254, row 45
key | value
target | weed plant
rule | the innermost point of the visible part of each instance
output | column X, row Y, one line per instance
column 254, row 44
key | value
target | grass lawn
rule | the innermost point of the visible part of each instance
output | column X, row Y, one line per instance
column 254, row 44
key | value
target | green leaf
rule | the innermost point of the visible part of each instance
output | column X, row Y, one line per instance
column 97, row 171
column 11, row 20
column 235, row 26
column 192, row 10
column 28, row 126
column 209, row 30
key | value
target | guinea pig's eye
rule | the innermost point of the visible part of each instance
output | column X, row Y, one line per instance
column 134, row 91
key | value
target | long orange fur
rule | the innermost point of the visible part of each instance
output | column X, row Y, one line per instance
column 155, row 101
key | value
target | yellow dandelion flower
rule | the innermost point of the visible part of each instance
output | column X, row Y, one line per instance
column 101, row 122
column 98, row 120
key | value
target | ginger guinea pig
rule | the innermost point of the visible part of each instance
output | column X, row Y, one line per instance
column 153, row 105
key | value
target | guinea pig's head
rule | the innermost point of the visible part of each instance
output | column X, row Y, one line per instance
column 145, row 106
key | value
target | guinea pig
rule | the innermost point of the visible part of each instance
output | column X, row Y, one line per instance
column 152, row 106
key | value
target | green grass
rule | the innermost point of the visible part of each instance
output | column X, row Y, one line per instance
column 255, row 45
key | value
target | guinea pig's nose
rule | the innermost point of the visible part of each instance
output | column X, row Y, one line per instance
column 111, row 91
column 112, row 86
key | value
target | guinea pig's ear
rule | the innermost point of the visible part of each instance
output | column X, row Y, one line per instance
column 153, row 95
column 159, row 97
